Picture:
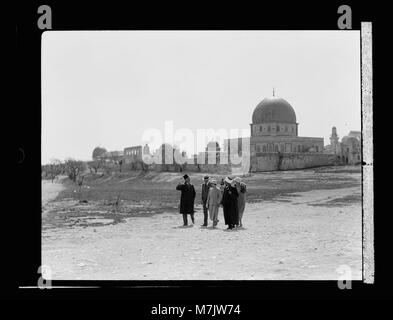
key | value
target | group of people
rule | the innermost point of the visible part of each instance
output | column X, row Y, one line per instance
column 230, row 195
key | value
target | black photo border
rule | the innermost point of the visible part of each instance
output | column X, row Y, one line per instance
column 136, row 16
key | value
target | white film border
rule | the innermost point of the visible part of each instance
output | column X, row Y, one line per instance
column 367, row 152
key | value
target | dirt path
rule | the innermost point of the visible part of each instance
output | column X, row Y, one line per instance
column 50, row 190
column 304, row 237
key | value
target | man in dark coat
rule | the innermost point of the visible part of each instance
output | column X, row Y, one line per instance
column 229, row 204
column 205, row 192
column 186, row 199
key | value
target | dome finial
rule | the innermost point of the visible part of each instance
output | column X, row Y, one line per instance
column 273, row 91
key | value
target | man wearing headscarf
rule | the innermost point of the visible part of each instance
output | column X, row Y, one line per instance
column 229, row 203
column 186, row 199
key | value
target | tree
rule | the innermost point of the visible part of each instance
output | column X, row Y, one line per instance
column 107, row 167
column 95, row 165
column 53, row 169
column 74, row 168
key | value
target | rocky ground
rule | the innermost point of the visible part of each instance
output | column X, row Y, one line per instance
column 297, row 225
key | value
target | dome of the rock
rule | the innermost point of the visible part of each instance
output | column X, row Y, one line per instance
column 273, row 109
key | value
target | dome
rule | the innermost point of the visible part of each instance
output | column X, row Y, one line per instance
column 348, row 140
column 98, row 151
column 273, row 109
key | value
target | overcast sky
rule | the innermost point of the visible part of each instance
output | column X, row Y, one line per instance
column 105, row 88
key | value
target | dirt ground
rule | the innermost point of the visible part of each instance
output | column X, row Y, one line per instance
column 50, row 190
column 298, row 225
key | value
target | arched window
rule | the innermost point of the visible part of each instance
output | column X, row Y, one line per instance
column 278, row 128
column 268, row 128
column 258, row 149
column 264, row 148
column 286, row 128
column 260, row 128
column 299, row 148
column 276, row 148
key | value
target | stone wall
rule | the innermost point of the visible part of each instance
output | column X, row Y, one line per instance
column 211, row 168
column 290, row 161
column 270, row 161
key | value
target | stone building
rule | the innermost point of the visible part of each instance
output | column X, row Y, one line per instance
column 212, row 154
column 274, row 135
column 98, row 153
column 101, row 154
column 355, row 134
column 348, row 150
column 274, row 129
column 113, row 156
column 132, row 154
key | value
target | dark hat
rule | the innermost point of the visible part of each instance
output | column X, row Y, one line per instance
column 185, row 176
column 206, row 177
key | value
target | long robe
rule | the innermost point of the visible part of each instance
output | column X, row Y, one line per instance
column 187, row 198
column 213, row 202
column 241, row 200
column 230, row 206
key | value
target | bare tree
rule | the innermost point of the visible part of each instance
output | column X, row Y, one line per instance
column 53, row 169
column 95, row 165
column 74, row 168
column 107, row 167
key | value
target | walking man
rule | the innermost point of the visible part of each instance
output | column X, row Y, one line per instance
column 187, row 199
column 205, row 192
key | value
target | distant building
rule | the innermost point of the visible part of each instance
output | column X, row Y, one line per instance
column 113, row 156
column 348, row 150
column 98, row 153
column 132, row 154
column 136, row 154
column 108, row 156
column 211, row 155
column 274, row 129
column 355, row 134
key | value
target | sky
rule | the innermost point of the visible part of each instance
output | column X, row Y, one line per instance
column 107, row 88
